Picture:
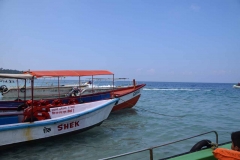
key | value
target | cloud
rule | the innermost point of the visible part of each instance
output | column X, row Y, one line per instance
column 195, row 7
column 151, row 71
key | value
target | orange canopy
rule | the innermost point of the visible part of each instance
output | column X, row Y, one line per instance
column 63, row 73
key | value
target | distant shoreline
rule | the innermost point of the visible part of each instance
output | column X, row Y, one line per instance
column 10, row 71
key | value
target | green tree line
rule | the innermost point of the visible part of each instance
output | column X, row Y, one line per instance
column 13, row 71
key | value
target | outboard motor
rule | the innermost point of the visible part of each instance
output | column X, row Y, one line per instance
column 3, row 88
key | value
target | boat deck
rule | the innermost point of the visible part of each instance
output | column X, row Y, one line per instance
column 205, row 154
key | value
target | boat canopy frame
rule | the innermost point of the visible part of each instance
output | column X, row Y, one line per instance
column 68, row 73
column 16, row 76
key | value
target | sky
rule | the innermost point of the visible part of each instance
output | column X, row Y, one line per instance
column 148, row 40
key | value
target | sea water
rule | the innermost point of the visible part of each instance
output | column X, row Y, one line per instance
column 165, row 112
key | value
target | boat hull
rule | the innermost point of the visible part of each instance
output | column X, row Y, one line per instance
column 24, row 132
column 236, row 86
column 49, row 138
column 129, row 99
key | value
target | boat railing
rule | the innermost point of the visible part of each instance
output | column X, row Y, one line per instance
column 151, row 148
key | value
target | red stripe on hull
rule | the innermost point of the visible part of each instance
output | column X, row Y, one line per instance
column 127, row 104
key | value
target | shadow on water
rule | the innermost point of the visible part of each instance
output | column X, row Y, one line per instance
column 124, row 112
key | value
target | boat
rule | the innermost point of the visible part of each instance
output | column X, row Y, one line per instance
column 99, row 87
column 236, row 85
column 39, row 91
column 128, row 96
column 57, row 121
column 41, row 119
column 201, row 150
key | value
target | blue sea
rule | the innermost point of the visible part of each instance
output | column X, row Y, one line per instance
column 165, row 112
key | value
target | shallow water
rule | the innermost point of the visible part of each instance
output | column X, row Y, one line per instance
column 165, row 112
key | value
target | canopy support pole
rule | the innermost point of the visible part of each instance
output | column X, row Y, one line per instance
column 32, row 84
column 18, row 90
column 25, row 83
column 113, row 81
column 80, row 89
column 92, row 84
column 58, row 89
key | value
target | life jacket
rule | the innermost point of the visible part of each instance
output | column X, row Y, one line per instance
column 39, row 111
column 73, row 101
column 226, row 154
column 42, row 115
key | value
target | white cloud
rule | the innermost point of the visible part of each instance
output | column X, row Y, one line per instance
column 195, row 7
column 151, row 71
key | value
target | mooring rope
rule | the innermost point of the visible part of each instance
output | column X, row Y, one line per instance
column 153, row 112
